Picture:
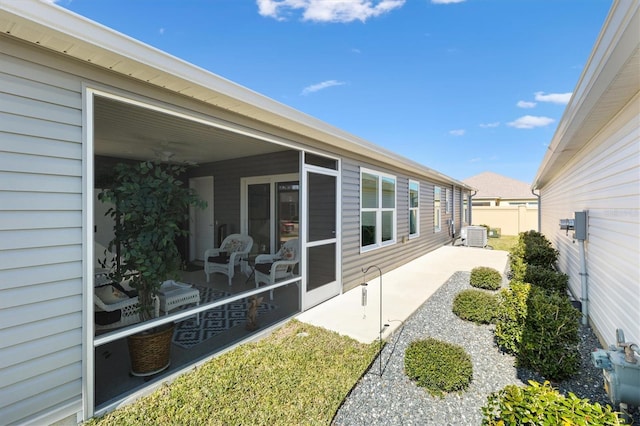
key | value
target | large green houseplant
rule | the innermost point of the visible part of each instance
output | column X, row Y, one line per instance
column 150, row 211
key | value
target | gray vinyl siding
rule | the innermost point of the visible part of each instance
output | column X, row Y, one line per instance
column 395, row 255
column 40, row 239
column 603, row 178
column 226, row 180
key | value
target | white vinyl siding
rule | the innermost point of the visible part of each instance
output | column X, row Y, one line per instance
column 40, row 240
column 377, row 209
column 414, row 208
column 604, row 179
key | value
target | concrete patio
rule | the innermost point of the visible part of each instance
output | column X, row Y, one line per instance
column 403, row 290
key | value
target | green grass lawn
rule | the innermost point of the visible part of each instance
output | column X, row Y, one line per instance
column 300, row 374
column 504, row 242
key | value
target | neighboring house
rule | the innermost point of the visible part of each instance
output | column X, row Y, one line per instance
column 77, row 97
column 503, row 203
column 593, row 165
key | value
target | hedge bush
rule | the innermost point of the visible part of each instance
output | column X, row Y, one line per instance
column 538, row 404
column 477, row 306
column 512, row 314
column 438, row 366
column 537, row 250
column 550, row 337
column 547, row 279
column 485, row 277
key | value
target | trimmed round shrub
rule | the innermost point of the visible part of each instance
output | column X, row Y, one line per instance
column 512, row 314
column 550, row 337
column 477, row 306
column 438, row 366
column 538, row 404
column 485, row 277
column 547, row 279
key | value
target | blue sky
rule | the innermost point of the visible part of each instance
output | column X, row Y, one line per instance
column 461, row 86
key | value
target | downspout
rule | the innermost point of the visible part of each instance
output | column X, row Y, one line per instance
column 470, row 207
column 584, row 298
column 452, row 229
column 539, row 210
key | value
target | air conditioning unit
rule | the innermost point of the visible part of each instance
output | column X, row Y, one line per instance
column 476, row 236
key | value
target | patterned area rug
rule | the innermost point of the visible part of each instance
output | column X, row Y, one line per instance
column 214, row 321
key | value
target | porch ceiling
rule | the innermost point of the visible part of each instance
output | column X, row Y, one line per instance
column 128, row 131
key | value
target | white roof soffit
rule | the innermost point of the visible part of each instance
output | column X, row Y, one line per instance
column 608, row 82
column 58, row 29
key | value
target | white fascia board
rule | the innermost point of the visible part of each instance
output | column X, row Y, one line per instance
column 618, row 37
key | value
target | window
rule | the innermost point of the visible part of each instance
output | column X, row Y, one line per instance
column 465, row 208
column 437, row 213
column 414, row 211
column 447, row 201
column 377, row 209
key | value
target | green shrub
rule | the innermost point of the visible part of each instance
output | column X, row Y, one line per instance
column 537, row 249
column 512, row 314
column 485, row 277
column 547, row 279
column 550, row 338
column 517, row 267
column 537, row 404
column 438, row 366
column 476, row 305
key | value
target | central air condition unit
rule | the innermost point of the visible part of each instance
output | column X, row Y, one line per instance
column 476, row 236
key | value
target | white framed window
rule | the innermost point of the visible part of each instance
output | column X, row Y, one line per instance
column 414, row 208
column 377, row 209
column 447, row 201
column 465, row 208
column 437, row 209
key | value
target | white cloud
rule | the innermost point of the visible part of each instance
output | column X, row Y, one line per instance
column 526, row 104
column 556, row 98
column 490, row 125
column 354, row 50
column 530, row 122
column 446, row 1
column 457, row 132
column 320, row 86
column 475, row 160
column 327, row 10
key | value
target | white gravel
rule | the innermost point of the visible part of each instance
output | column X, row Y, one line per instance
column 392, row 399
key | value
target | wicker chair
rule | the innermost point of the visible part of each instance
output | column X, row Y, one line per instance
column 270, row 268
column 129, row 311
column 234, row 249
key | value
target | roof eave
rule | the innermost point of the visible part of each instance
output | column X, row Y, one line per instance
column 616, row 43
column 53, row 27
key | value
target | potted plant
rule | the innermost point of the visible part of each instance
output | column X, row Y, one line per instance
column 151, row 207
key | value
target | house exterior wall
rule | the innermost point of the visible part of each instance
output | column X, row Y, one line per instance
column 604, row 179
column 405, row 249
column 42, row 221
column 510, row 219
column 41, row 236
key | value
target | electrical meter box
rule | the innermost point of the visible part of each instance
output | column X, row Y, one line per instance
column 580, row 225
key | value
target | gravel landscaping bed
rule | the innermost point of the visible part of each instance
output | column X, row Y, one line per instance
column 392, row 399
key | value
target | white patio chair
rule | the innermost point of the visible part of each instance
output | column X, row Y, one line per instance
column 129, row 311
column 270, row 268
column 232, row 251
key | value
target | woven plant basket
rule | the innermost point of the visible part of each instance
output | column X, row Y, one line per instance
column 150, row 353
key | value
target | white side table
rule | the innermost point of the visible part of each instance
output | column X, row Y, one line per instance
column 173, row 294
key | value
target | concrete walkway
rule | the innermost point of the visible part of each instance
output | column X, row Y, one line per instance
column 403, row 290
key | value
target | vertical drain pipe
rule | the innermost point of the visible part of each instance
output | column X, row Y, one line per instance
column 580, row 228
column 539, row 210
column 584, row 298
